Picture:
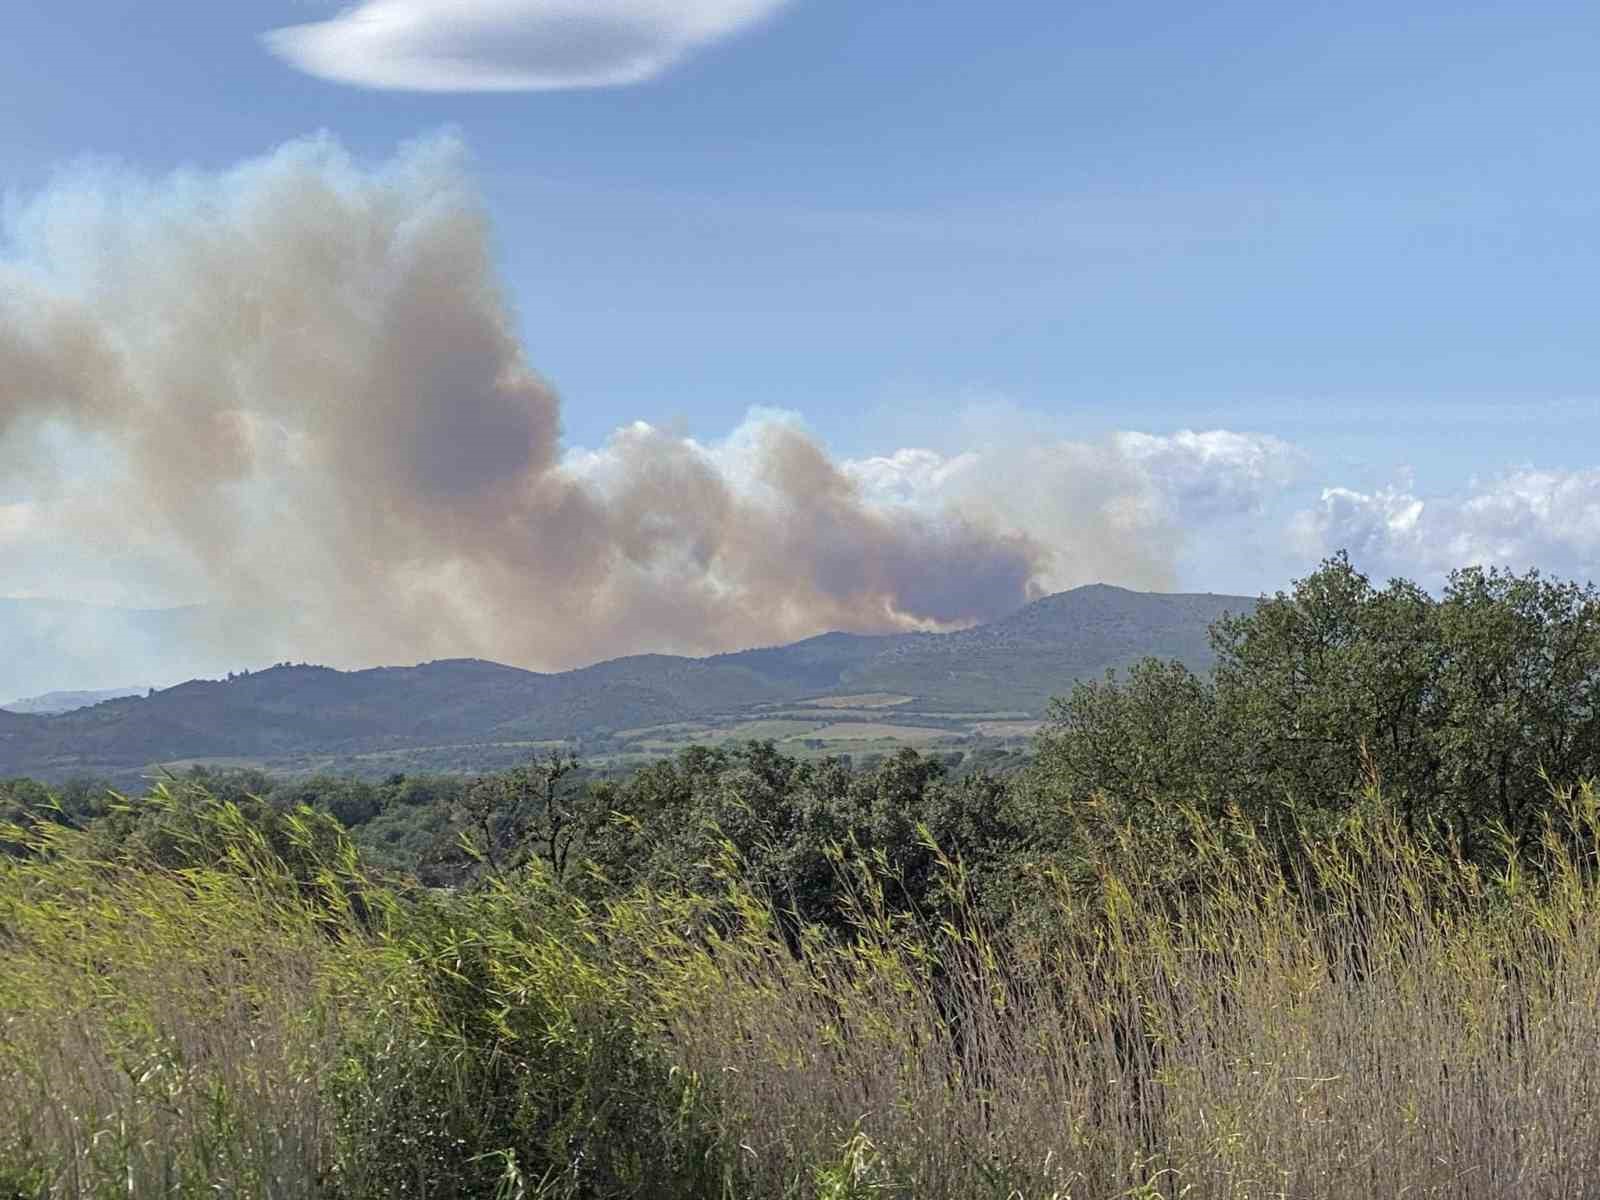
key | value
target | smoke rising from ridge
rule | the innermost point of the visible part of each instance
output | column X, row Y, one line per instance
column 299, row 388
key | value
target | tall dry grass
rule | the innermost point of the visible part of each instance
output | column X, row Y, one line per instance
column 1193, row 1012
column 1364, row 1016
column 238, row 1015
column 162, row 1031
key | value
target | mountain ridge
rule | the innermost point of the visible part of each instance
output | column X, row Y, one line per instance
column 1008, row 667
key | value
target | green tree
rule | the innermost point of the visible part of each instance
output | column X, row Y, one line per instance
column 1322, row 689
column 1140, row 744
column 1520, row 679
column 797, row 828
column 503, row 821
column 1463, row 710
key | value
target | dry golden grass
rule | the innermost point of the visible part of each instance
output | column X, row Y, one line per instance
column 1360, row 1016
column 163, row 1029
column 1376, row 1019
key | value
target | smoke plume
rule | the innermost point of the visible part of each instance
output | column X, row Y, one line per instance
column 293, row 391
column 311, row 386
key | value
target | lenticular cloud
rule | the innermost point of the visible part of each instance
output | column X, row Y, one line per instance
column 510, row 45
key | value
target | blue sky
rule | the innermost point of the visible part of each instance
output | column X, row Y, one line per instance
column 1366, row 231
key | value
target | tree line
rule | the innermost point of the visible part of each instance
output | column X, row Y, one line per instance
column 1464, row 709
column 1461, row 712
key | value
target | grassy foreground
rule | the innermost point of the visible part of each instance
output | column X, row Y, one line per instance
column 1195, row 1012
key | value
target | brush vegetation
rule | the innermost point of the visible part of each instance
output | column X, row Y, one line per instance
column 1154, row 964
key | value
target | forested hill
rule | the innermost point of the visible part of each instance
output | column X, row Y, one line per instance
column 1021, row 661
column 1010, row 668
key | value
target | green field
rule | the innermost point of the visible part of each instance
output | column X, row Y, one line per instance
column 868, row 700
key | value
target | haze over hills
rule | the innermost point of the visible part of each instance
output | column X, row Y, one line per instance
column 991, row 680
column 54, row 703
column 53, row 646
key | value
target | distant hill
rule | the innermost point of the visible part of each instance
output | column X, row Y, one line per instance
column 1020, row 661
column 465, row 710
column 53, row 703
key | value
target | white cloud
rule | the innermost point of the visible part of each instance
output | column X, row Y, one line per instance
column 1184, row 475
column 1524, row 518
column 1119, row 510
column 510, row 45
column 908, row 475
column 1214, row 472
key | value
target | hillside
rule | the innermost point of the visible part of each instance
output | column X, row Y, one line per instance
column 1020, row 661
column 16, row 725
column 836, row 691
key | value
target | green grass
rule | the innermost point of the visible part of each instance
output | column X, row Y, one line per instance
column 863, row 700
column 877, row 731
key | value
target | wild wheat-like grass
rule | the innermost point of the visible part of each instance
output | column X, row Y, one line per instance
column 1371, row 1017
column 163, row 1031
column 1352, row 1015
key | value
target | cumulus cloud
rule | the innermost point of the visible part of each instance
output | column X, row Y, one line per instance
column 1524, row 518
column 510, row 45
column 1215, row 472
column 1120, row 508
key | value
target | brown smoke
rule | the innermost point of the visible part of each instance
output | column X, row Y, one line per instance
column 310, row 382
